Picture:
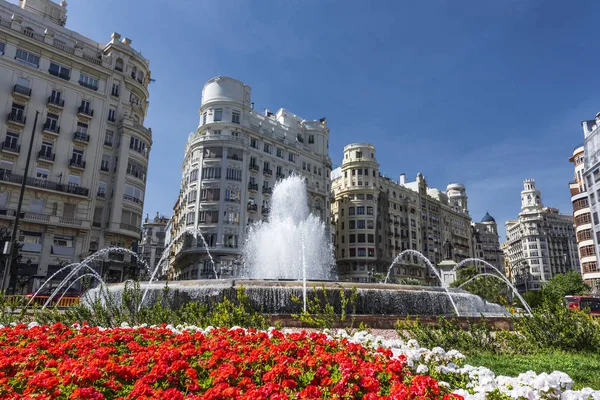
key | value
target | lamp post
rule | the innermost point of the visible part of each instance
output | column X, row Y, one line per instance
column 13, row 237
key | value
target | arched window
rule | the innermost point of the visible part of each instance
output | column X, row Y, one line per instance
column 140, row 77
column 119, row 64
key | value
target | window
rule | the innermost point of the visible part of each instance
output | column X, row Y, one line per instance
column 311, row 139
column 112, row 115
column 105, row 163
column 362, row 252
column 60, row 71
column 253, row 143
column 208, row 217
column 101, row 188
column 18, row 111
column 360, row 210
column 193, row 175
column 352, row 252
column 85, row 106
column 292, row 157
column 88, row 81
column 108, row 138
column 46, row 151
column 371, row 238
column 210, row 194
column 11, row 141
column 192, row 196
column 267, row 148
column 234, row 174
column 28, row 58
column 119, row 65
column 359, row 154
column 137, row 145
column 116, row 89
column 51, row 122
column 133, row 99
column 369, row 210
column 41, row 173
column 211, row 173
column 352, row 238
column 77, row 157
column 133, row 193
column 218, row 115
column 2, row 48
column 232, row 195
column 352, row 225
column 55, row 97
column 360, row 224
column 370, row 224
column 82, row 128
column 279, row 153
column 235, row 117
column 36, row 205
column 74, row 180
column 351, row 211
column 362, row 238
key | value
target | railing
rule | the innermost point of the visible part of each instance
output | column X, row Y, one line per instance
column 92, row 59
column 19, row 118
column 280, row 176
column 56, row 102
column 131, row 228
column 4, row 22
column 108, row 142
column 42, row 155
column 61, row 74
column 66, row 301
column 213, row 156
column 253, row 186
column 88, row 85
column 49, row 128
column 11, row 147
column 8, row 176
column 77, row 163
column 132, row 199
column 101, row 193
column 25, row 91
column 267, row 171
column 85, row 111
column 81, row 136
column 70, row 221
column 266, row 190
column 35, row 216
column 37, row 36
column 252, row 207
column 234, row 157
column 254, row 167
column 265, row 210
column 63, row 47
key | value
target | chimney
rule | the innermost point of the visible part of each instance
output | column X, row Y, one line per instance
column 402, row 179
column 126, row 41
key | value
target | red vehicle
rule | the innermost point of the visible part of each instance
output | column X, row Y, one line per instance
column 584, row 302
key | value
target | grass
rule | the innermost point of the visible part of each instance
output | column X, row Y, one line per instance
column 584, row 369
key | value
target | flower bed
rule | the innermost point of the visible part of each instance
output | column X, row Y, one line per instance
column 58, row 361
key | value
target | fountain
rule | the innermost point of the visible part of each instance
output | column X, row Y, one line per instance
column 282, row 255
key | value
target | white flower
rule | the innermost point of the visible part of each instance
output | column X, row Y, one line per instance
column 422, row 369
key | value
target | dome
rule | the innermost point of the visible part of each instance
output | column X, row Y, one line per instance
column 488, row 218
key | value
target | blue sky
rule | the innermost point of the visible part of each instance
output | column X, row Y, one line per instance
column 486, row 93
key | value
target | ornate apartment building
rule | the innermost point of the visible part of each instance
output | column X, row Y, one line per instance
column 486, row 242
column 152, row 244
column 376, row 218
column 590, row 221
column 231, row 164
column 87, row 174
column 540, row 243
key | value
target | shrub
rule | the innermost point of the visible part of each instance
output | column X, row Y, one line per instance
column 320, row 312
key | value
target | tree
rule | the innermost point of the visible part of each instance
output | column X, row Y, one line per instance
column 562, row 285
column 486, row 287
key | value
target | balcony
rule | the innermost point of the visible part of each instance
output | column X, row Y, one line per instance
column 22, row 91
column 52, row 101
column 234, row 157
column 85, row 112
column 10, row 147
column 7, row 176
column 80, row 164
column 267, row 172
column 16, row 118
column 254, row 168
column 104, row 167
column 88, row 85
column 81, row 137
column 54, row 130
column 61, row 74
column 101, row 193
column 252, row 207
column 130, row 228
column 44, row 156
column 132, row 199
column 108, row 142
column 253, row 187
column 267, row 191
column 70, row 221
column 280, row 176
column 265, row 210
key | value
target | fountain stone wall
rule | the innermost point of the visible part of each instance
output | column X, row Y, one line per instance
column 275, row 296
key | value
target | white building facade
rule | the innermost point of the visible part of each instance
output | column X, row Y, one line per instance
column 540, row 243
column 230, row 167
column 152, row 244
column 87, row 175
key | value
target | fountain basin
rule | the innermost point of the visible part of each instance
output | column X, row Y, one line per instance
column 274, row 296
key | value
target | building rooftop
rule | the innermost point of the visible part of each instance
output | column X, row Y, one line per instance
column 488, row 218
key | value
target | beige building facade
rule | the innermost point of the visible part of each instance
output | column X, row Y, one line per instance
column 87, row 174
column 376, row 218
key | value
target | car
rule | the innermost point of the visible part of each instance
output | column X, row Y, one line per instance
column 591, row 303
